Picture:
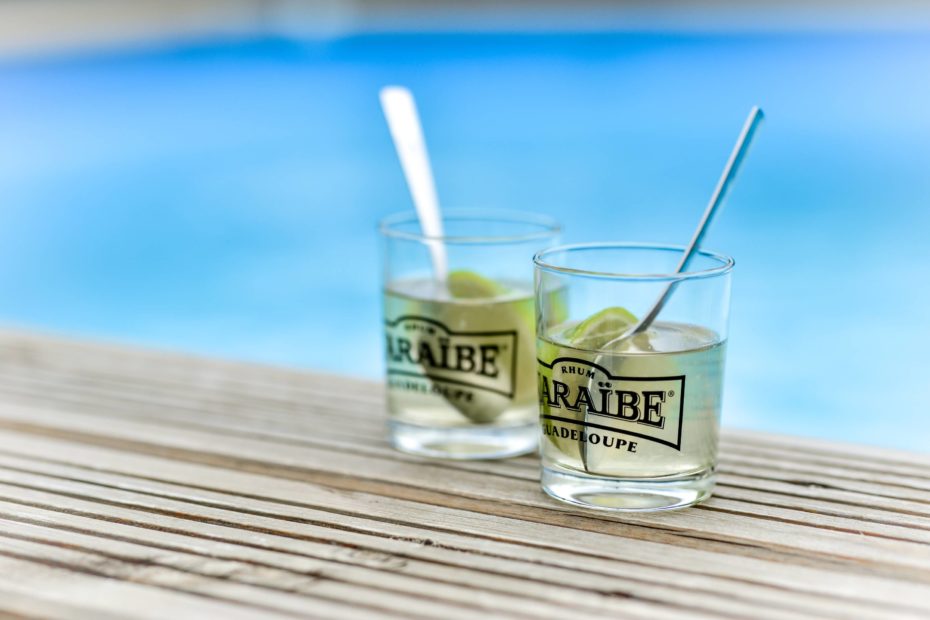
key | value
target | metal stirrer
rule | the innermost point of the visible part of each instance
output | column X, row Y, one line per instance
column 723, row 185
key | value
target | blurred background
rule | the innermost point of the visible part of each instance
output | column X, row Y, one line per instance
column 206, row 176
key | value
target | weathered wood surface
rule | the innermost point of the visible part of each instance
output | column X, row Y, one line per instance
column 143, row 484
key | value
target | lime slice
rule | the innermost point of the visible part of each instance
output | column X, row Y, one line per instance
column 498, row 313
column 469, row 285
column 600, row 328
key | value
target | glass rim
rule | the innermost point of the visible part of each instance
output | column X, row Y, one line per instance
column 724, row 267
column 546, row 226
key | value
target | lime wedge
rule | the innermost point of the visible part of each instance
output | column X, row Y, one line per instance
column 469, row 285
column 498, row 313
column 600, row 328
column 591, row 334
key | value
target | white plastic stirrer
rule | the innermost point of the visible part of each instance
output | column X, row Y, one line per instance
column 400, row 110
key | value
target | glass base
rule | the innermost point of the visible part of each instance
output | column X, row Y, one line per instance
column 465, row 443
column 628, row 495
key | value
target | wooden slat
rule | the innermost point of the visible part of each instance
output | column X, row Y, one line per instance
column 330, row 500
column 226, row 392
column 192, row 401
column 17, row 604
column 366, row 438
column 215, row 488
column 426, row 481
column 52, row 582
column 391, row 529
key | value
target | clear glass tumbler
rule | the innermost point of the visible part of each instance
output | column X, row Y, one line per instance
column 460, row 352
column 630, row 422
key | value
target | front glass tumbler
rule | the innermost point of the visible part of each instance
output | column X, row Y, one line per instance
column 460, row 351
column 630, row 422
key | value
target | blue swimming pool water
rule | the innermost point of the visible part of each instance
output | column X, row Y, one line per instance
column 221, row 197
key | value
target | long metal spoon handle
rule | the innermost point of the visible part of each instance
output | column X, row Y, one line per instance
column 720, row 192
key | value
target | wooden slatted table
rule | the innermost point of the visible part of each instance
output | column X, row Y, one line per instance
column 143, row 484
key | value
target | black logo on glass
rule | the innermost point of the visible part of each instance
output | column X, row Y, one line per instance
column 422, row 347
column 582, row 393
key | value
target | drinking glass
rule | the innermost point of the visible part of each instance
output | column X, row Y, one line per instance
column 460, row 351
column 630, row 422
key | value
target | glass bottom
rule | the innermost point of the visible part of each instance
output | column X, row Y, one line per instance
column 469, row 443
column 629, row 495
